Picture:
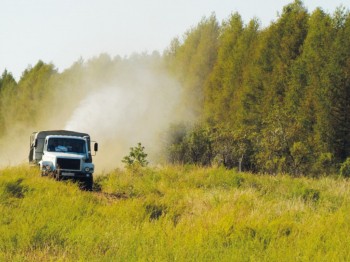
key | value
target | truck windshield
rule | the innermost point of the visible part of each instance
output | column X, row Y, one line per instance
column 66, row 145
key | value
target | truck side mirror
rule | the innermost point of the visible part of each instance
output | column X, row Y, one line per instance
column 95, row 147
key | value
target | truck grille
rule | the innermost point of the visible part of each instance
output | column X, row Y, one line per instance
column 66, row 163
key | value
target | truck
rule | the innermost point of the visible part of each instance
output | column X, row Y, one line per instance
column 63, row 154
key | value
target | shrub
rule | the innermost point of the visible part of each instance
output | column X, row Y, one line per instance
column 345, row 168
column 324, row 165
column 136, row 157
column 300, row 153
column 190, row 146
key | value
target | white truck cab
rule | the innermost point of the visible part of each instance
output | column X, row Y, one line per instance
column 63, row 154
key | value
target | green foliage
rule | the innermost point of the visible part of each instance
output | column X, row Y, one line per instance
column 325, row 164
column 136, row 157
column 203, row 145
column 193, row 60
column 190, row 146
column 300, row 154
column 276, row 98
column 198, row 144
column 345, row 168
column 175, row 147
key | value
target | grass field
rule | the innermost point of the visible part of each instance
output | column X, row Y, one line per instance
column 174, row 213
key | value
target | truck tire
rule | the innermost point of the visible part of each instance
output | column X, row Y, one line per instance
column 88, row 183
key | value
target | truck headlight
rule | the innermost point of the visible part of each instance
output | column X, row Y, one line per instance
column 47, row 167
column 87, row 169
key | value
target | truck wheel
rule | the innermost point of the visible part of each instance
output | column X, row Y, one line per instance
column 88, row 183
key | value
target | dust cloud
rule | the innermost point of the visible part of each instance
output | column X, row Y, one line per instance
column 138, row 109
column 119, row 104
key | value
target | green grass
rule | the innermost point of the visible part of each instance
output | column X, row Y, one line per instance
column 174, row 213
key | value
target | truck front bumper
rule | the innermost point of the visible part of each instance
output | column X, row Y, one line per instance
column 75, row 174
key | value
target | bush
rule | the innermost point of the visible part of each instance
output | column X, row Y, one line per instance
column 345, row 168
column 190, row 146
column 300, row 153
column 136, row 157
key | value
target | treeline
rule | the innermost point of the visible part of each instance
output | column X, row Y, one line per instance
column 119, row 101
column 46, row 98
column 273, row 99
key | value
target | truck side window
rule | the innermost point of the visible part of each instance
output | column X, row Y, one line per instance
column 51, row 146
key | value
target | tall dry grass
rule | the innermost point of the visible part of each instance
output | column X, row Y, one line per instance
column 182, row 213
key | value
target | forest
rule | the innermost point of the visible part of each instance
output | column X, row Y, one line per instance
column 272, row 99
